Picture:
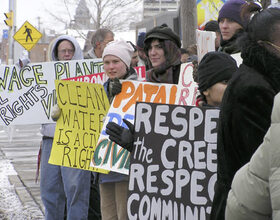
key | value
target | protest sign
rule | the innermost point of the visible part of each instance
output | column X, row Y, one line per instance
column 83, row 106
column 238, row 58
column 141, row 72
column 109, row 155
column 101, row 78
column 174, row 162
column 205, row 42
column 187, row 87
column 28, row 94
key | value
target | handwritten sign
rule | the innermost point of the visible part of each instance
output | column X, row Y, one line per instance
column 205, row 42
column 187, row 87
column 109, row 155
column 84, row 106
column 174, row 162
column 27, row 95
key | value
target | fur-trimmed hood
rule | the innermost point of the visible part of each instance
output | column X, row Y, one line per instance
column 263, row 61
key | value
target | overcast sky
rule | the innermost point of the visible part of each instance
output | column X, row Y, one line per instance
column 30, row 10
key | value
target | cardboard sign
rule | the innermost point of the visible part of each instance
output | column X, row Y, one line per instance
column 173, row 165
column 101, row 78
column 141, row 72
column 83, row 106
column 205, row 42
column 27, row 95
column 109, row 155
column 187, row 87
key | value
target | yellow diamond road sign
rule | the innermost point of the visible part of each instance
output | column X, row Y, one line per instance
column 27, row 36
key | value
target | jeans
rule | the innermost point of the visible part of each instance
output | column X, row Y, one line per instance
column 60, row 184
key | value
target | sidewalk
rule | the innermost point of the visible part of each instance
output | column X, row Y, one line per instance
column 19, row 147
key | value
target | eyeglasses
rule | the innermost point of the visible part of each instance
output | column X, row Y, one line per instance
column 64, row 51
column 271, row 44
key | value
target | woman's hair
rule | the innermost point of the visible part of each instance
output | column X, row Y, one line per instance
column 263, row 22
column 172, row 52
column 148, row 43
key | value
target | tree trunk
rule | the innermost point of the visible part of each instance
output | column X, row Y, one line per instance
column 188, row 21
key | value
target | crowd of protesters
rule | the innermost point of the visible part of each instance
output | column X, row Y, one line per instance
column 247, row 184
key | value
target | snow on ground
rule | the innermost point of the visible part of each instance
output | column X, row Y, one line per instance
column 10, row 206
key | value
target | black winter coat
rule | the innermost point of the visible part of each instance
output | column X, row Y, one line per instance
column 244, row 117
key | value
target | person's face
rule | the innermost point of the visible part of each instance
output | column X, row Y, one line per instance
column 114, row 67
column 228, row 28
column 142, row 54
column 134, row 59
column 156, row 54
column 109, row 37
column 184, row 57
column 65, row 50
column 214, row 94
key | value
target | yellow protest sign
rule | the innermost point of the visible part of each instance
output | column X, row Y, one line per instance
column 27, row 36
column 83, row 107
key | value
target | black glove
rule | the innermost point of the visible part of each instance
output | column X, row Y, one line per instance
column 115, row 86
column 120, row 135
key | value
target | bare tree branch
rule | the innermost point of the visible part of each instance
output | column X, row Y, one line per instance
column 113, row 14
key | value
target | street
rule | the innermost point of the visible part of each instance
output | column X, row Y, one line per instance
column 19, row 194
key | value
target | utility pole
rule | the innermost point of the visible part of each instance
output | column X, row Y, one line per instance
column 12, row 9
column 188, row 21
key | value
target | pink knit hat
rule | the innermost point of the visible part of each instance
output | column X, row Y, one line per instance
column 120, row 49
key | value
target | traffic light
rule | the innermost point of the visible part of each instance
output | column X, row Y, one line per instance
column 10, row 16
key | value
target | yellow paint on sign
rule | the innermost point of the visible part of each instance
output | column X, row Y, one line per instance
column 78, row 128
column 27, row 36
column 208, row 10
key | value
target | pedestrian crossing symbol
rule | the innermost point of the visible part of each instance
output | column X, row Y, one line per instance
column 27, row 36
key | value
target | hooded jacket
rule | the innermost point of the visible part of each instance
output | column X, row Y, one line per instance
column 49, row 129
column 244, row 117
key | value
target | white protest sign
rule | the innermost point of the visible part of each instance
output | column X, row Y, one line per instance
column 27, row 95
column 110, row 156
column 187, row 87
column 205, row 42
column 238, row 58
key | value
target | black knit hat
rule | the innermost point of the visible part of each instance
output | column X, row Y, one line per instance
column 213, row 68
column 163, row 32
column 212, row 26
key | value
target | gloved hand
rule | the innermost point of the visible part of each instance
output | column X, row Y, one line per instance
column 120, row 135
column 22, row 62
column 115, row 87
column 56, row 111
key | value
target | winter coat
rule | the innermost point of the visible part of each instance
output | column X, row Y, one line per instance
column 255, row 193
column 49, row 129
column 90, row 54
column 113, row 176
column 244, row 117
